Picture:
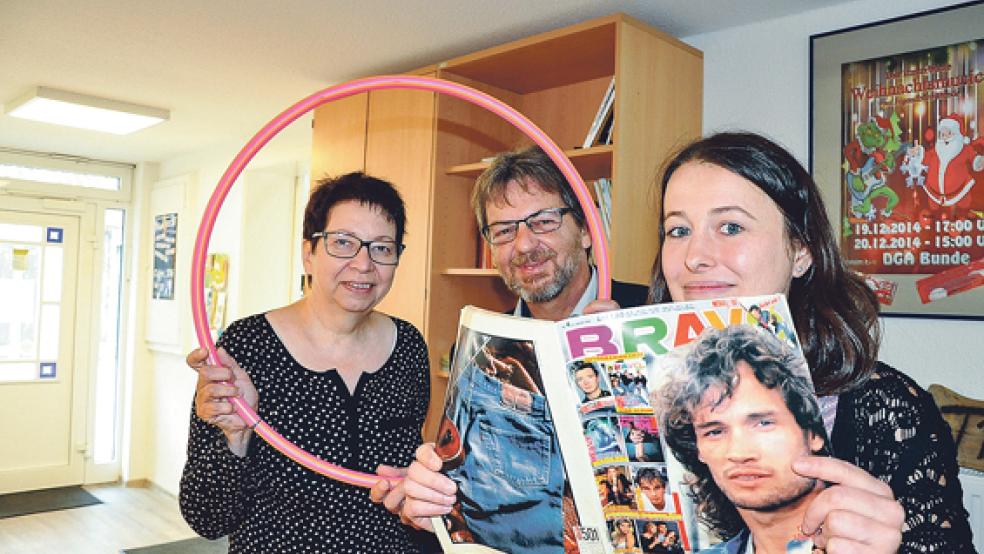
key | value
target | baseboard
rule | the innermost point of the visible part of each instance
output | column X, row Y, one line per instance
column 154, row 486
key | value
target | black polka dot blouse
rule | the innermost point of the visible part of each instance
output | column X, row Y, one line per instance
column 267, row 503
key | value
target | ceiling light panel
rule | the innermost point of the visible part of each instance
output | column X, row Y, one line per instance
column 85, row 112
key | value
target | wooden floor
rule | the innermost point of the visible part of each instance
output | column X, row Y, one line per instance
column 127, row 518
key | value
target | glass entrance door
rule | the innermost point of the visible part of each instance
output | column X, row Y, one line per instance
column 42, row 402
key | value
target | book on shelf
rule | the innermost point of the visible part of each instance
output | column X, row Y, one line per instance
column 605, row 111
column 549, row 428
column 605, row 135
column 484, row 254
column 603, row 194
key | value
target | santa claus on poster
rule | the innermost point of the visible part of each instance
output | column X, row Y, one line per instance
column 953, row 166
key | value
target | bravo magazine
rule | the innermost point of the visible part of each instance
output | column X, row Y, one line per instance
column 550, row 429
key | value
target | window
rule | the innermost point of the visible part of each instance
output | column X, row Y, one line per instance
column 59, row 175
column 56, row 177
column 108, row 354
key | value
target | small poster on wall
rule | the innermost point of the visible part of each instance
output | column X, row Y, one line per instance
column 165, row 246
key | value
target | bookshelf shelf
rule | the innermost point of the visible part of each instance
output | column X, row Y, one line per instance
column 592, row 163
column 471, row 272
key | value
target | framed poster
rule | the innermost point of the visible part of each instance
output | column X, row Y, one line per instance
column 167, row 301
column 896, row 149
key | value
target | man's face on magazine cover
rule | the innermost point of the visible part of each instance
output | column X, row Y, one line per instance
column 749, row 442
column 587, row 381
column 655, row 491
column 537, row 267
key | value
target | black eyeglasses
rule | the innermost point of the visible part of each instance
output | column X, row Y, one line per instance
column 543, row 221
column 346, row 245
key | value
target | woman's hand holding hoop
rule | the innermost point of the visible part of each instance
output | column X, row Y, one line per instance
column 216, row 385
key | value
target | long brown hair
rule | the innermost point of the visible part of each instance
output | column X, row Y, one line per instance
column 835, row 312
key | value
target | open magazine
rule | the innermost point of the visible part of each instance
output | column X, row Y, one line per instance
column 550, row 433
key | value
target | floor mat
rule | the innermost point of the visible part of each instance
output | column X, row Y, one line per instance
column 196, row 545
column 47, row 500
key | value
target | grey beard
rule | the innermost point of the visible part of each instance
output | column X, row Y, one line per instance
column 549, row 291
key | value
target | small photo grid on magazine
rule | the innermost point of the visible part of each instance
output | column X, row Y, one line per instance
column 622, row 434
column 646, row 535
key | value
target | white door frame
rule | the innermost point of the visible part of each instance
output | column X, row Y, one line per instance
column 66, row 197
column 90, row 214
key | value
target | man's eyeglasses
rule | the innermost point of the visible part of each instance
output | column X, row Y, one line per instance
column 543, row 221
column 345, row 245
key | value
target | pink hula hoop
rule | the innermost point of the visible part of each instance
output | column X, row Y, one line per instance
column 270, row 130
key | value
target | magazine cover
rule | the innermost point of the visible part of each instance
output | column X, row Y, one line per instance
column 551, row 436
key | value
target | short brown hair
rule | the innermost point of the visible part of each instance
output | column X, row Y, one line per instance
column 529, row 167
column 357, row 186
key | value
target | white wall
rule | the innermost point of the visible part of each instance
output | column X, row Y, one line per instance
column 268, row 222
column 756, row 77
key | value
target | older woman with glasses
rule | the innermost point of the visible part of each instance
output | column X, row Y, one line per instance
column 339, row 379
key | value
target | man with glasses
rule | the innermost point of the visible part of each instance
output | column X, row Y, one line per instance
column 540, row 244
column 530, row 216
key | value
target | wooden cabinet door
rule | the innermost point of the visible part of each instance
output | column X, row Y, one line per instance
column 399, row 147
column 338, row 140
column 388, row 134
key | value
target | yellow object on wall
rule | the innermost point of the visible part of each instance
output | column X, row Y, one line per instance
column 216, row 285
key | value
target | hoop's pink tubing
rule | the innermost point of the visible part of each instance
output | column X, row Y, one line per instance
column 518, row 120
